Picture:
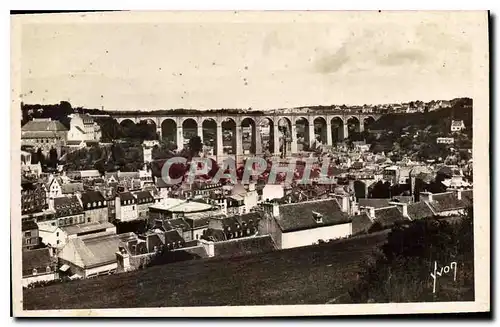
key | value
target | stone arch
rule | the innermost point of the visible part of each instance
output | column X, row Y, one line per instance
column 337, row 126
column 320, row 129
column 265, row 135
column 285, row 135
column 228, row 135
column 168, row 128
column 209, row 131
column 367, row 121
column 353, row 124
column 302, row 128
column 189, row 129
column 151, row 128
column 249, row 136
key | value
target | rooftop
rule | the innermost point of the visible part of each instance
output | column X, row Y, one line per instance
column 178, row 205
column 299, row 216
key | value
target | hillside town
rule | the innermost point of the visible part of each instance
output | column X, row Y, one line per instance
column 85, row 217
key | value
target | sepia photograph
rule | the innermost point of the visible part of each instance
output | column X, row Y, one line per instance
column 246, row 163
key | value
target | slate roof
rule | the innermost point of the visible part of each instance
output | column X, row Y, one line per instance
column 197, row 223
column 126, row 196
column 173, row 236
column 28, row 225
column 299, row 216
column 45, row 125
column 87, row 227
column 374, row 203
column 177, row 223
column 249, row 218
column 361, row 223
column 67, row 206
column 97, row 250
column 144, row 197
column 403, row 198
column 468, row 197
column 419, row 210
column 70, row 188
column 244, row 246
column 37, row 259
column 447, row 201
column 91, row 197
column 387, row 217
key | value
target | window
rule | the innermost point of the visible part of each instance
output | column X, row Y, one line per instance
column 133, row 207
column 99, row 203
column 94, row 204
column 88, row 219
column 28, row 241
column 88, row 205
column 34, row 271
column 57, row 242
column 48, row 270
column 27, row 234
column 57, row 234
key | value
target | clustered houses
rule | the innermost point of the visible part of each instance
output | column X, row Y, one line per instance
column 82, row 225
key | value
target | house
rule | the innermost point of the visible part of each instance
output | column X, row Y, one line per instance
column 83, row 128
column 391, row 174
column 68, row 211
column 93, row 255
column 53, row 187
column 126, row 207
column 447, row 203
column 144, row 200
column 445, row 140
column 226, row 228
column 457, row 125
column 198, row 225
column 38, row 266
column 387, row 217
column 33, row 197
column 95, row 207
column 31, row 238
column 305, row 223
column 44, row 133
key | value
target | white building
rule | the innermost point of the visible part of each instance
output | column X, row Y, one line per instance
column 305, row 223
column 445, row 140
column 126, row 207
column 83, row 128
column 272, row 191
column 93, row 255
column 457, row 125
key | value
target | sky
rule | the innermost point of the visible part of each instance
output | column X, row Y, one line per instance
column 266, row 63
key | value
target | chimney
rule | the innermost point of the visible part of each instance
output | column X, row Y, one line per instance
column 50, row 203
column 426, row 196
column 370, row 211
column 122, row 260
column 343, row 201
column 276, row 209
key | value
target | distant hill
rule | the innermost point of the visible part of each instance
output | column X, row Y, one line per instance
column 440, row 119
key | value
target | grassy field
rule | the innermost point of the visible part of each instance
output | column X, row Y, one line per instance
column 309, row 275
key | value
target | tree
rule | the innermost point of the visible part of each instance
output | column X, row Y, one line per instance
column 400, row 270
column 40, row 156
column 53, row 160
column 195, row 145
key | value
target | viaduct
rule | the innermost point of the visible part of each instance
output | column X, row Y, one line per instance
column 290, row 127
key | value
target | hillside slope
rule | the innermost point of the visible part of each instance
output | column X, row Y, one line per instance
column 308, row 275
